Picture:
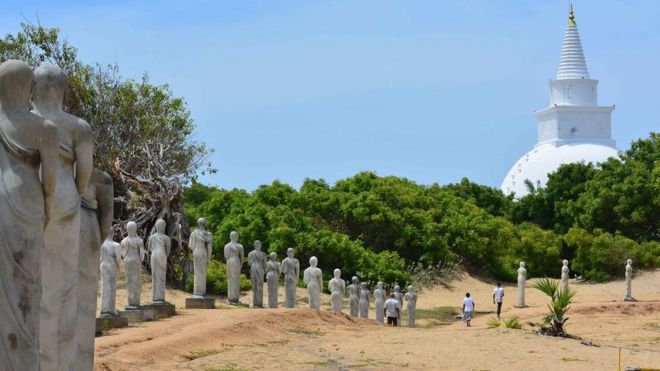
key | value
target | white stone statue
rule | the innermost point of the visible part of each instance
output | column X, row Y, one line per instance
column 234, row 255
column 564, row 275
column 201, row 244
column 365, row 294
column 133, row 254
column 59, row 278
column 337, row 288
column 257, row 262
column 291, row 271
column 379, row 295
column 28, row 144
column 159, row 245
column 522, row 278
column 398, row 295
column 354, row 297
column 411, row 298
column 110, row 261
column 274, row 270
column 96, row 214
column 313, row 278
column 629, row 296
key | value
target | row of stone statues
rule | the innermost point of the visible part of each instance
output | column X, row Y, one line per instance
column 565, row 274
column 57, row 209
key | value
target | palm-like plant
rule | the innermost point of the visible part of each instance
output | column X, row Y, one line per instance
column 559, row 306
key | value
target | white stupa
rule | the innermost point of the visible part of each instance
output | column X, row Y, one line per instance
column 573, row 128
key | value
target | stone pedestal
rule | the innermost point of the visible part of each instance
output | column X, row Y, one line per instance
column 157, row 310
column 521, row 306
column 108, row 323
column 629, row 298
column 133, row 315
column 200, row 303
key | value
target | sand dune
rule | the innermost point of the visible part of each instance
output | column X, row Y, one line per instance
column 242, row 338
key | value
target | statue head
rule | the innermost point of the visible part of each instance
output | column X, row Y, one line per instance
column 290, row 252
column 629, row 261
column 160, row 226
column 337, row 273
column 397, row 288
column 233, row 236
column 273, row 256
column 522, row 264
column 363, row 285
column 131, row 228
column 50, row 86
column 410, row 288
column 313, row 261
column 379, row 285
column 257, row 245
column 565, row 262
column 16, row 83
column 201, row 223
column 354, row 279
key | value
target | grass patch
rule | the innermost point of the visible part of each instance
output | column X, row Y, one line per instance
column 304, row 331
column 513, row 323
column 493, row 323
column 279, row 342
column 571, row 359
column 439, row 316
column 201, row 353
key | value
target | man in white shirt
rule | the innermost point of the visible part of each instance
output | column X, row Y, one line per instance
column 498, row 294
column 392, row 310
column 468, row 309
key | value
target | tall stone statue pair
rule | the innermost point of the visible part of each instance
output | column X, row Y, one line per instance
column 47, row 310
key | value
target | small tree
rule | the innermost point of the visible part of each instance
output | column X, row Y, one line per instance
column 559, row 305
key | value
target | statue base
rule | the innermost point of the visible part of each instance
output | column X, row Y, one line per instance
column 132, row 315
column 629, row 298
column 521, row 306
column 158, row 310
column 200, row 303
column 108, row 323
column 238, row 304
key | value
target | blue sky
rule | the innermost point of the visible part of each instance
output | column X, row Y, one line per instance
column 430, row 90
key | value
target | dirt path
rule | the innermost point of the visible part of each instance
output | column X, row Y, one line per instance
column 300, row 338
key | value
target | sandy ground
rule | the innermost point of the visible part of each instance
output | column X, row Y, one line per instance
column 230, row 338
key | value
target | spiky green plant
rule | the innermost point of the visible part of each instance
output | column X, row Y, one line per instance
column 560, row 301
column 513, row 323
column 493, row 323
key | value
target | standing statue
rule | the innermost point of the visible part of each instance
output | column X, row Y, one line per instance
column 354, row 297
column 110, row 260
column 96, row 213
column 629, row 296
column 201, row 244
column 274, row 270
column 28, row 172
column 291, row 271
column 59, row 278
column 522, row 278
column 159, row 245
column 257, row 261
column 364, row 300
column 337, row 288
column 379, row 294
column 398, row 295
column 564, row 275
column 411, row 298
column 234, row 254
column 313, row 278
column 133, row 254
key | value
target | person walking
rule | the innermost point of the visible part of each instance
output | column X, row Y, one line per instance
column 392, row 310
column 498, row 295
column 468, row 309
